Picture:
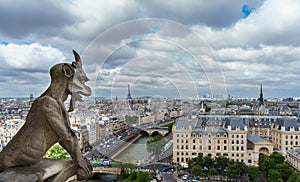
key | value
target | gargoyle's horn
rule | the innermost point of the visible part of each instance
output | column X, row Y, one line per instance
column 77, row 59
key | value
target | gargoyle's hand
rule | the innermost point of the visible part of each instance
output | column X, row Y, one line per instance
column 85, row 169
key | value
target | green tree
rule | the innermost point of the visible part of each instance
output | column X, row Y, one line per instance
column 126, row 170
column 277, row 158
column 221, row 162
column 57, row 152
column 212, row 172
column 208, row 162
column 132, row 177
column 266, row 163
column 207, row 109
column 156, row 144
column 142, row 176
column 242, row 168
column 253, row 173
column 273, row 175
column 232, row 171
column 170, row 126
column 197, row 170
column 191, row 163
column 199, row 160
column 295, row 177
column 155, row 139
column 123, row 174
column 285, row 170
column 131, row 119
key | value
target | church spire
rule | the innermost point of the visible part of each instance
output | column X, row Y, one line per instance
column 129, row 95
column 261, row 98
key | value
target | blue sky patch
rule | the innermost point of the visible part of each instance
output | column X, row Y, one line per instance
column 4, row 43
column 247, row 10
column 155, row 29
column 18, row 43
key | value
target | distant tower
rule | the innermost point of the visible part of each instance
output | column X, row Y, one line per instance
column 30, row 97
column 129, row 95
column 261, row 98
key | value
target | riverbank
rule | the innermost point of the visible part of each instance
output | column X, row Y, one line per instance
column 125, row 146
column 136, row 152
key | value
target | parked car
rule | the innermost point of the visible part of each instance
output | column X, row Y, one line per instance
column 185, row 177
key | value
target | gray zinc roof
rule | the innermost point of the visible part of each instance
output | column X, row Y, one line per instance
column 255, row 139
column 287, row 123
column 295, row 153
column 234, row 123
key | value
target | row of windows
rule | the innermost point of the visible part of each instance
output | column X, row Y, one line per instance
column 209, row 141
column 291, row 142
column 181, row 159
column 183, row 135
column 287, row 137
column 200, row 135
column 291, row 137
column 209, row 135
column 233, row 148
column 237, row 142
column 288, row 142
column 218, row 154
column 237, row 136
column 286, row 148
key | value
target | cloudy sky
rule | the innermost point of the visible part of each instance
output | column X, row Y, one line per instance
column 174, row 48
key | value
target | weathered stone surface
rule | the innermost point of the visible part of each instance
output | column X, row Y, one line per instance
column 46, row 124
column 13, row 176
column 46, row 170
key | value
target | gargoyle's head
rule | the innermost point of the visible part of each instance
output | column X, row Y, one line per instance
column 73, row 78
column 79, row 78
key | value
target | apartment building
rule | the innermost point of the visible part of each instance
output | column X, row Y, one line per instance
column 10, row 128
column 285, row 134
column 218, row 136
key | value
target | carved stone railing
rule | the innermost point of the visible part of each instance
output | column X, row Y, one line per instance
column 49, row 170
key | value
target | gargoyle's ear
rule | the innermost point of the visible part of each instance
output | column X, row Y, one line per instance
column 67, row 70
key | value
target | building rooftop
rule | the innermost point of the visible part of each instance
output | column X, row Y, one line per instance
column 234, row 123
column 288, row 123
column 198, row 126
column 255, row 139
column 294, row 152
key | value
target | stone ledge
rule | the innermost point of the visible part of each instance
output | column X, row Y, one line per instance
column 49, row 170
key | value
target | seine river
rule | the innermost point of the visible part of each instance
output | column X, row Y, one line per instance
column 137, row 152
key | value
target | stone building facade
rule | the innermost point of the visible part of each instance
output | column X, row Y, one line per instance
column 285, row 134
column 214, row 137
column 293, row 158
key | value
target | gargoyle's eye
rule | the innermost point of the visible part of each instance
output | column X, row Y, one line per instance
column 84, row 79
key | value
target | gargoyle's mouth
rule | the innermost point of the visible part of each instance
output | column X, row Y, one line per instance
column 77, row 97
column 87, row 91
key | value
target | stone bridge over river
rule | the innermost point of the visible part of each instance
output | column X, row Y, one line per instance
column 155, row 131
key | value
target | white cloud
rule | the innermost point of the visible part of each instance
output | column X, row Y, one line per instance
column 263, row 47
column 275, row 22
column 30, row 56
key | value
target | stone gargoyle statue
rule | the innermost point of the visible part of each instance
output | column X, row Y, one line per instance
column 48, row 122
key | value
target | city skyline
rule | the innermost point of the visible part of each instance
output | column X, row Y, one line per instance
column 163, row 49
